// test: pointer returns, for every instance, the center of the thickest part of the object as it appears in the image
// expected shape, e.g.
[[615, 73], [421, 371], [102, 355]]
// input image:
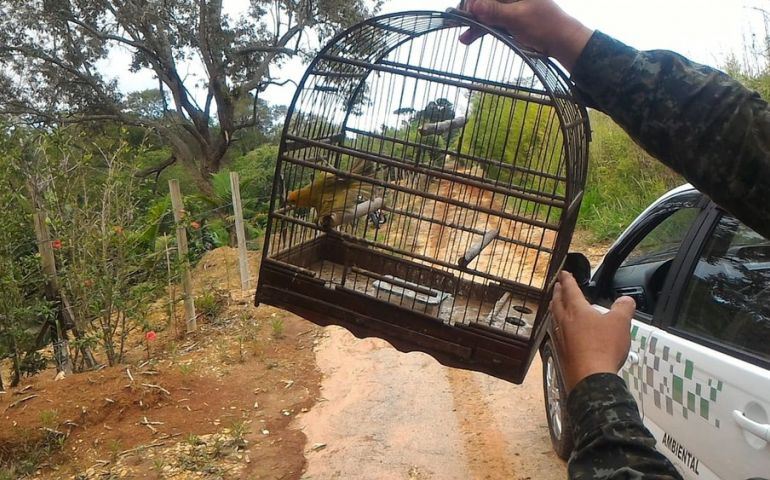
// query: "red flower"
[[56, 244], [150, 336], [195, 225]]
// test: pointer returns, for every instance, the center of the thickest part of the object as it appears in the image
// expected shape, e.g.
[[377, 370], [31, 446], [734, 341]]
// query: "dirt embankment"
[[216, 404]]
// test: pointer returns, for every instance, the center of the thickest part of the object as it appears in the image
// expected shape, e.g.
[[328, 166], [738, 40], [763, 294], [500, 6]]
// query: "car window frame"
[[601, 279], [681, 282]]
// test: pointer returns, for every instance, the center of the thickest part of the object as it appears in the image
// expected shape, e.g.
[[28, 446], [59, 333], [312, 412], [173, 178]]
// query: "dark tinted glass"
[[728, 297], [663, 241]]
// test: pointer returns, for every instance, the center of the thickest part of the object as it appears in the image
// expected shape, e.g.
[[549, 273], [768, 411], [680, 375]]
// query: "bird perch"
[[336, 219], [477, 247], [441, 127]]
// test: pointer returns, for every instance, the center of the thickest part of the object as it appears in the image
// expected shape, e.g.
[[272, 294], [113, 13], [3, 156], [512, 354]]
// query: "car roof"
[[686, 188], [675, 191]]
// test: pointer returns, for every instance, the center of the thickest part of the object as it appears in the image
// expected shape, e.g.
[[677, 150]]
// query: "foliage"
[[52, 51], [752, 68], [33, 363], [622, 180], [95, 208], [210, 304], [276, 327], [511, 132], [32, 449], [23, 310], [256, 169], [406, 138]]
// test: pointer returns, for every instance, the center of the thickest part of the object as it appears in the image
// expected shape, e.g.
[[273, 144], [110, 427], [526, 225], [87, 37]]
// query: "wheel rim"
[[554, 397]]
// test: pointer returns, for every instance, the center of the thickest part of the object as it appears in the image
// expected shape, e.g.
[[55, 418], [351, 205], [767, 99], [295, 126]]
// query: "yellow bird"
[[332, 196]]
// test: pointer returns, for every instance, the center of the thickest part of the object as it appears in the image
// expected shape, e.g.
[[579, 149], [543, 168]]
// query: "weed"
[[241, 357], [251, 329], [115, 446], [173, 351], [223, 352], [239, 429], [30, 450], [210, 304], [7, 473], [157, 464], [199, 458], [49, 419], [193, 439], [186, 369], [276, 326], [217, 449]]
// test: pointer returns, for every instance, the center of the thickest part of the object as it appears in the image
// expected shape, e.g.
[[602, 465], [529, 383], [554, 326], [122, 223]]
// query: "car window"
[[643, 272], [663, 241], [727, 298]]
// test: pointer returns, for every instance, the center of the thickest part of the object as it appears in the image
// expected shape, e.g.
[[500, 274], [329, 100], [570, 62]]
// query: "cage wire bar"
[[426, 191]]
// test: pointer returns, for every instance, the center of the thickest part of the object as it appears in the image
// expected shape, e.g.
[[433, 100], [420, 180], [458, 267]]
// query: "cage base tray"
[[315, 280]]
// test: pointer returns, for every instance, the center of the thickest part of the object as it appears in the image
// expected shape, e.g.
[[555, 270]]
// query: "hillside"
[[216, 404]]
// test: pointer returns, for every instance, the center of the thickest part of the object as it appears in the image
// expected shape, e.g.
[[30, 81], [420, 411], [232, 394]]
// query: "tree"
[[51, 49]]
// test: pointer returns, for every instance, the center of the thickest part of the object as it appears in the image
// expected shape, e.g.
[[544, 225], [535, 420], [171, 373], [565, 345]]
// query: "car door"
[[638, 266], [709, 364]]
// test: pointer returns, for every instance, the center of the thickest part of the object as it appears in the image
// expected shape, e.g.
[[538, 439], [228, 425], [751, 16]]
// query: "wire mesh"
[[419, 172]]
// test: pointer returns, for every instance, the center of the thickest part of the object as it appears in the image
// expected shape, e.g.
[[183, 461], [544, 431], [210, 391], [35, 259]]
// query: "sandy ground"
[[388, 415]]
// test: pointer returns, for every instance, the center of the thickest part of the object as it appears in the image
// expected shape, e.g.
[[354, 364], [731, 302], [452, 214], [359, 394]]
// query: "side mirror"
[[578, 265]]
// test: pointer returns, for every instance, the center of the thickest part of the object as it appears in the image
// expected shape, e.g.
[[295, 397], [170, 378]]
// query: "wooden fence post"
[[243, 259], [181, 239], [53, 290]]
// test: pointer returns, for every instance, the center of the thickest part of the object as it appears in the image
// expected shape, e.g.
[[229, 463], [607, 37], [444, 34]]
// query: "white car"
[[699, 365]]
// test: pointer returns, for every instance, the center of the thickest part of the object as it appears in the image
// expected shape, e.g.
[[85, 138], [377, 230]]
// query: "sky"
[[707, 31]]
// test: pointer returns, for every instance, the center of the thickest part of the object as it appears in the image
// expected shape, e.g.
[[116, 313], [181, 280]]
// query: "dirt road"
[[388, 415]]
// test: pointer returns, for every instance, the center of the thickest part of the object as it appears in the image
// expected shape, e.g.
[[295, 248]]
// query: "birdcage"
[[426, 191]]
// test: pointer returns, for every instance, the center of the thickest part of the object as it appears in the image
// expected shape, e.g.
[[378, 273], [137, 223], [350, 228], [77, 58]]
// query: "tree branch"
[[156, 169], [107, 36], [45, 57], [265, 48], [290, 33]]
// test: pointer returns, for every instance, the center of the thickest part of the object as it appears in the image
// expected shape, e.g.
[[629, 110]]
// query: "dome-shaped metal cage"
[[426, 191]]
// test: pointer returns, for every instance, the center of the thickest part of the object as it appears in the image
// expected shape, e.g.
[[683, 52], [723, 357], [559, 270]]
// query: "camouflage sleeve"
[[610, 440], [695, 119]]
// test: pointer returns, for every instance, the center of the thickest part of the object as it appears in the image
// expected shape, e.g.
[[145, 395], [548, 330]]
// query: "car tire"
[[555, 398]]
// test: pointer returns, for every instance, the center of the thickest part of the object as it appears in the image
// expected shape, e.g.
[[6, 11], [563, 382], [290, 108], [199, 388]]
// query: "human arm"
[[695, 119], [610, 440]]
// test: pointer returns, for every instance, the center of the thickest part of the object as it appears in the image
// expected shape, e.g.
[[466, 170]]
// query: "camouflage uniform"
[[610, 439], [715, 133], [695, 119]]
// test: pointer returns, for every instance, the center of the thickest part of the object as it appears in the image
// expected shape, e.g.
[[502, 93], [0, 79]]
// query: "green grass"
[[622, 181]]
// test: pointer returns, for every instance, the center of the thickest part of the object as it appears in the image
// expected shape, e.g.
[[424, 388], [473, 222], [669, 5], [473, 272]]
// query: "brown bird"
[[332, 196]]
